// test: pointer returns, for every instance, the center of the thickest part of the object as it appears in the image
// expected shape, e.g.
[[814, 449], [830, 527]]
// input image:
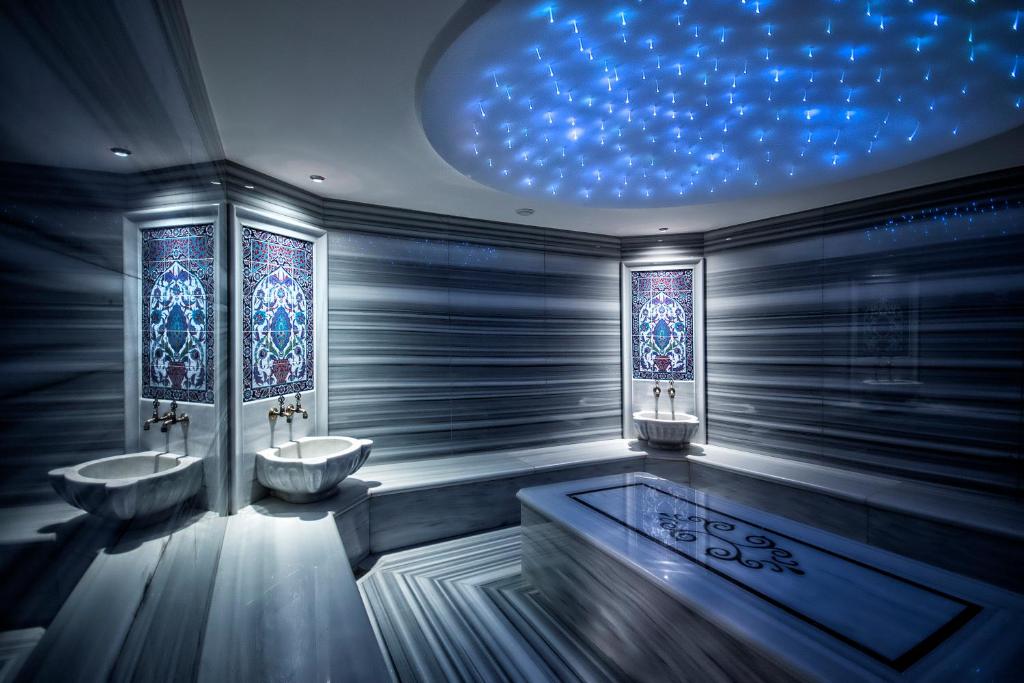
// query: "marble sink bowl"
[[135, 486], [310, 468], [663, 430]]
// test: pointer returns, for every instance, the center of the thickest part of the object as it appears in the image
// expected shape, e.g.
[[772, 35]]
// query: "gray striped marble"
[[442, 346], [62, 346], [461, 611], [893, 348]]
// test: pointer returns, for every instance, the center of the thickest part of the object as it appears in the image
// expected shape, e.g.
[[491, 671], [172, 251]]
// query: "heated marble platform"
[[671, 581]]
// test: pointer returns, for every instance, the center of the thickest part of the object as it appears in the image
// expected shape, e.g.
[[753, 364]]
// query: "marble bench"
[[918, 519], [673, 583], [413, 502]]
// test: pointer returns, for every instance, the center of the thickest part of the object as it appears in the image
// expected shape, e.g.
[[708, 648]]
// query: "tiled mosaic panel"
[[277, 314], [662, 324], [177, 313]]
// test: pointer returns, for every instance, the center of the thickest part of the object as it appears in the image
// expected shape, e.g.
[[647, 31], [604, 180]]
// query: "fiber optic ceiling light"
[[663, 103]]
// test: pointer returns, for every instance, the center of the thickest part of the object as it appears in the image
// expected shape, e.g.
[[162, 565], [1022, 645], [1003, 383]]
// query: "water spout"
[[672, 397]]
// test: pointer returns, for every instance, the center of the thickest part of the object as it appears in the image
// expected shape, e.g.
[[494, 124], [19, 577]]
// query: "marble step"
[[460, 611]]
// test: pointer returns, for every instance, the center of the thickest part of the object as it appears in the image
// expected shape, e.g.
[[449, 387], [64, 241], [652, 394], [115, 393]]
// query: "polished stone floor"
[[460, 611]]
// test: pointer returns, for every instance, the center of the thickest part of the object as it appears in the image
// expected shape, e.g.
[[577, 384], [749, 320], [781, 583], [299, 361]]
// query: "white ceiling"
[[329, 87]]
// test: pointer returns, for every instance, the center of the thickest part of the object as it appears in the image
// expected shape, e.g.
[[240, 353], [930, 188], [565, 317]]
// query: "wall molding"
[[844, 216], [229, 181]]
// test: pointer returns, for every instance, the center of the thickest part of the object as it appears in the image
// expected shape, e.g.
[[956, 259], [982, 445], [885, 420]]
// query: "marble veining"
[[746, 553], [478, 346], [892, 346], [461, 610], [816, 602]]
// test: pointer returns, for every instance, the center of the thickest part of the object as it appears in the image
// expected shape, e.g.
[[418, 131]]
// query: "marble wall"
[[61, 351], [440, 344], [894, 344]]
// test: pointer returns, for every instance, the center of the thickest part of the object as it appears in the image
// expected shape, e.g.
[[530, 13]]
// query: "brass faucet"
[[171, 417], [297, 408], [288, 412], [156, 415], [279, 411]]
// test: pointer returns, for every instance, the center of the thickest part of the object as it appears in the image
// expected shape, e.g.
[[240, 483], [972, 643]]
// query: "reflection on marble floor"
[[15, 646], [461, 611]]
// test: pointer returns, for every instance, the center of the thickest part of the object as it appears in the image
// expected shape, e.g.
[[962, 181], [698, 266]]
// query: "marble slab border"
[[901, 663]]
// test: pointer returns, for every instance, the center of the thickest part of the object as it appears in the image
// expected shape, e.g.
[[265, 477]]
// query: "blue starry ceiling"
[[652, 104]]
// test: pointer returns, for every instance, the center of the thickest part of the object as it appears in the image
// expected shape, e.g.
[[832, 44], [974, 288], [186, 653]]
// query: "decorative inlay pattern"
[[177, 302], [277, 300], [814, 589], [662, 324], [778, 559]]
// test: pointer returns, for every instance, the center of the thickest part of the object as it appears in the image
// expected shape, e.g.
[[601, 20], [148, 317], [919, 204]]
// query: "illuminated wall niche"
[[662, 324], [277, 314], [177, 303]]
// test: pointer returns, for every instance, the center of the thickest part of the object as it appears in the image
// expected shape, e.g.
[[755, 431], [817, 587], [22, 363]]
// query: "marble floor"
[[460, 611]]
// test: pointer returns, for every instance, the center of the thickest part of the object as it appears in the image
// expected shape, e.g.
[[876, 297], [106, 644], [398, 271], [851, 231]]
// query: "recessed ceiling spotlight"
[[317, 178], [215, 182], [525, 212], [121, 152], [662, 229], [250, 187]]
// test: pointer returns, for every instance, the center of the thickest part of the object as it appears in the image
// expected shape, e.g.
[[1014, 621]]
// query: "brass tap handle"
[[153, 418], [278, 411], [298, 400], [657, 391]]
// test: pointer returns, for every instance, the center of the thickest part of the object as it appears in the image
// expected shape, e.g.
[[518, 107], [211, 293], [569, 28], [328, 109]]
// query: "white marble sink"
[[132, 486], [665, 431], [310, 468]]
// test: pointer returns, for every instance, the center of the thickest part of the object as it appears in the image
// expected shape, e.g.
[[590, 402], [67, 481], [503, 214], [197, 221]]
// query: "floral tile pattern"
[[177, 313], [662, 324], [277, 314]]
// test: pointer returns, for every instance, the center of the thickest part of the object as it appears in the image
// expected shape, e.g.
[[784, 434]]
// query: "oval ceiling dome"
[[666, 103]]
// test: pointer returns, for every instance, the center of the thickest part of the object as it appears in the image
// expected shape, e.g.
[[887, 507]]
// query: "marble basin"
[[131, 486], [310, 468], [663, 430]]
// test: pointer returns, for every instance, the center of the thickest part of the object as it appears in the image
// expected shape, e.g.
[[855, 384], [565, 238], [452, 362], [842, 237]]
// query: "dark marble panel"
[[446, 346], [406, 518], [892, 345], [984, 556], [62, 347], [842, 517]]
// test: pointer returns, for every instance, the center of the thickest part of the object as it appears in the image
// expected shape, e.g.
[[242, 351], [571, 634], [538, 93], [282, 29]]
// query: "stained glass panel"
[[177, 306], [277, 314], [662, 324]]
